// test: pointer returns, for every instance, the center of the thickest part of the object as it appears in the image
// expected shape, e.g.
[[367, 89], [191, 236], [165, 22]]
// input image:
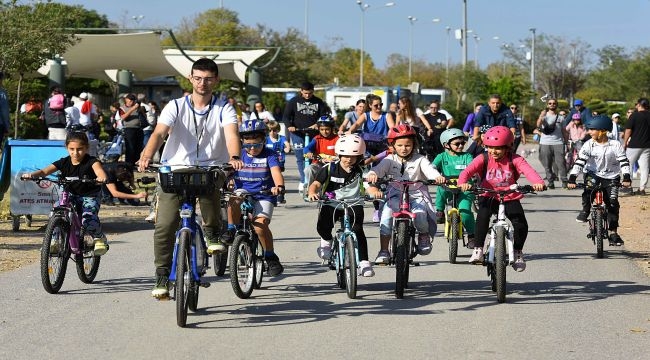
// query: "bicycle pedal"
[[204, 284]]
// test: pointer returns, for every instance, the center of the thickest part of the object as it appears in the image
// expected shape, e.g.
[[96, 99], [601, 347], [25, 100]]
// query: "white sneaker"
[[324, 252], [151, 218], [520, 264], [477, 256], [365, 269], [382, 257], [301, 188]]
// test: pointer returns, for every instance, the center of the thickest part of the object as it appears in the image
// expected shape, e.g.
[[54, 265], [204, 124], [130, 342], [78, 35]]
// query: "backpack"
[[57, 102]]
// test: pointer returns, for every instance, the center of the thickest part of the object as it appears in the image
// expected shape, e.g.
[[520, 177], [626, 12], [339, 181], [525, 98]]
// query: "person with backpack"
[[54, 115], [500, 169]]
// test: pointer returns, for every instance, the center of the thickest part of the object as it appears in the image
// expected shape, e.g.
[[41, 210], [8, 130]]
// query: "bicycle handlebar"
[[61, 180], [523, 189]]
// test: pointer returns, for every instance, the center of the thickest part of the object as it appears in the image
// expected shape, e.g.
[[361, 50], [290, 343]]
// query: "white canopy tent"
[[101, 56]]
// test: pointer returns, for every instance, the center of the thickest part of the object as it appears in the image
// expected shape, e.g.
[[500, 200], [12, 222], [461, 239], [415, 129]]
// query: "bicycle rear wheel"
[[453, 237], [220, 262], [242, 266], [87, 262], [500, 263], [337, 263], [181, 289], [54, 254], [601, 233], [350, 262], [401, 258], [259, 264]]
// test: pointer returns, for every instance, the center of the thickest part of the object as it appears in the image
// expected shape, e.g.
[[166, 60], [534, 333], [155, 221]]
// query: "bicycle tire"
[[181, 288], [500, 263], [87, 263], [350, 263], [601, 232], [336, 259], [453, 238], [259, 264], [401, 258], [220, 262], [242, 266], [54, 265]]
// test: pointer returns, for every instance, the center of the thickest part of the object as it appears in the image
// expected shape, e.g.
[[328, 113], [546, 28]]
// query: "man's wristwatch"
[[235, 157]]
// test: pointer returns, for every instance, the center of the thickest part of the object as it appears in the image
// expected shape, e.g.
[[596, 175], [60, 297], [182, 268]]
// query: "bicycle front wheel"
[[54, 254], [454, 232], [87, 262], [500, 263], [338, 264], [181, 289], [259, 264], [601, 233], [401, 258], [242, 266], [350, 263]]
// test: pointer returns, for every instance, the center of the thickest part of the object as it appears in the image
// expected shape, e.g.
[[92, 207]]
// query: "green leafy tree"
[[30, 35]]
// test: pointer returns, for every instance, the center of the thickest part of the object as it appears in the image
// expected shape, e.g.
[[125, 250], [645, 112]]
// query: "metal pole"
[[447, 64], [532, 62], [363, 16], [411, 21], [464, 34], [307, 20]]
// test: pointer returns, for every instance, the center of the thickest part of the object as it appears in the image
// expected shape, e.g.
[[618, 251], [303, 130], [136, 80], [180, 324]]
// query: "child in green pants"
[[450, 164]]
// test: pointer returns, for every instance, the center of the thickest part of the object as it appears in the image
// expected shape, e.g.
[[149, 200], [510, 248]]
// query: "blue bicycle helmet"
[[249, 127], [326, 120], [600, 122]]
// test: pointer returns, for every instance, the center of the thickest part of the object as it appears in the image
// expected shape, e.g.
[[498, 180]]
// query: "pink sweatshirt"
[[499, 175]]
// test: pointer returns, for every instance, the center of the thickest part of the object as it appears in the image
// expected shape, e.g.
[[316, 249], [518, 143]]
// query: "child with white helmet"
[[344, 178], [499, 169]]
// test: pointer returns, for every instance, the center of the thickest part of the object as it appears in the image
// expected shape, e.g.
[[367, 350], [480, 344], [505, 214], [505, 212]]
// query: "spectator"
[[578, 107], [468, 128], [352, 116], [551, 143], [72, 114], [32, 106], [520, 133], [261, 113], [615, 134], [495, 113], [54, 115], [133, 135], [636, 140]]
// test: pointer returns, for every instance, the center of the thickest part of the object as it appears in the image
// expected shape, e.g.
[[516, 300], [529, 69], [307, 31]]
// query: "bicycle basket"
[[190, 181]]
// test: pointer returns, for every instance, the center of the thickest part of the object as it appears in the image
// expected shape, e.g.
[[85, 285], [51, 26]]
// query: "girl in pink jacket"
[[498, 169]]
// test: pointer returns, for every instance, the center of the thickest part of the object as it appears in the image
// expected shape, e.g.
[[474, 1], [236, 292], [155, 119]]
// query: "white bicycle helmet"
[[350, 145]]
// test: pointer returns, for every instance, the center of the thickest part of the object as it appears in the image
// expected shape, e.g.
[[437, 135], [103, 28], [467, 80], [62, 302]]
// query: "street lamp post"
[[448, 29], [364, 7], [532, 61], [412, 20], [464, 33], [476, 40]]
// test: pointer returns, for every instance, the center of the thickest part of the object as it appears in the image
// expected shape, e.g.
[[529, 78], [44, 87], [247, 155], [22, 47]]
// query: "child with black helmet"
[[450, 164], [603, 160]]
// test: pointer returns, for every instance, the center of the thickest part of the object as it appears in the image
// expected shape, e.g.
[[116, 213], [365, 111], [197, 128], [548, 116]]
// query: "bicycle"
[[453, 220], [309, 134], [403, 246], [190, 259], [112, 151], [573, 148], [499, 250], [247, 263], [598, 221], [65, 239], [344, 258]]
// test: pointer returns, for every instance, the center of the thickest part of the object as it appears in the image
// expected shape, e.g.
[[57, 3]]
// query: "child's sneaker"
[[382, 257], [424, 244], [101, 245], [440, 217], [365, 269], [582, 217], [375, 216], [471, 242], [615, 240], [520, 264], [477, 256], [324, 250], [275, 267]]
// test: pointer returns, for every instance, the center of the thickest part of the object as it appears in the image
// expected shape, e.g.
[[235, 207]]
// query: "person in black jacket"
[[493, 114], [302, 112]]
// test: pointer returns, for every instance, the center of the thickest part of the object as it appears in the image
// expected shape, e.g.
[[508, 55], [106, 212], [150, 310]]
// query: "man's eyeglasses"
[[458, 143], [552, 103], [513, 108], [252, 146], [274, 130], [433, 107], [562, 114], [207, 79]]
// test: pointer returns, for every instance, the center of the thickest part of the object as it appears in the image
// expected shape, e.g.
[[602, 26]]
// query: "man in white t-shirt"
[[87, 110], [202, 131]]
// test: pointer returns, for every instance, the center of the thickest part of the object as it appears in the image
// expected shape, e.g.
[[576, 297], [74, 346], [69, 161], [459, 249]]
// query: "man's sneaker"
[[324, 251], [161, 289], [615, 240], [582, 217], [365, 269], [382, 257], [565, 184], [275, 267], [151, 218], [101, 245], [227, 237], [477, 256], [301, 188], [471, 242], [641, 192], [440, 217], [520, 264], [215, 246], [424, 244], [375, 216], [551, 185]]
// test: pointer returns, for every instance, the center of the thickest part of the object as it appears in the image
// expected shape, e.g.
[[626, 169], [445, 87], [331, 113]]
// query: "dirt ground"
[[23, 247]]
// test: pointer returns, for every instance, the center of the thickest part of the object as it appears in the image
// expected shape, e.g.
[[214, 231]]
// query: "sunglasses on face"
[[513, 108], [377, 105], [458, 143], [252, 146]]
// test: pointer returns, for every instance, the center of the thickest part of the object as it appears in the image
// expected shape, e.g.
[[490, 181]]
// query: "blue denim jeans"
[[298, 143]]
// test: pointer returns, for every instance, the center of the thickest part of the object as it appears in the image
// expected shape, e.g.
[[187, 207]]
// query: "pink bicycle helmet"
[[498, 136], [350, 145], [400, 131], [575, 116]]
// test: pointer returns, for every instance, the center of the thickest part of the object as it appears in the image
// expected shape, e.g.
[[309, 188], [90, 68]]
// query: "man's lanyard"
[[199, 136]]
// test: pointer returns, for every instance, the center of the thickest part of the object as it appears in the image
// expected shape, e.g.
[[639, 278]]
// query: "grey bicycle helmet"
[[451, 134]]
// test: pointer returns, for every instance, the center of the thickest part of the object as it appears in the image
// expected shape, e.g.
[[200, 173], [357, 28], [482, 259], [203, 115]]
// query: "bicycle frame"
[[188, 222], [404, 214], [452, 209], [500, 222], [341, 233]]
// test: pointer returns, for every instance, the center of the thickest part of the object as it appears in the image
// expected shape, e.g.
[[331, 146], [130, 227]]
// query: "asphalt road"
[[566, 305]]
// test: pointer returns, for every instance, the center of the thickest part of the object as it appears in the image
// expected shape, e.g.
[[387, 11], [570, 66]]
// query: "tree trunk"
[[16, 119]]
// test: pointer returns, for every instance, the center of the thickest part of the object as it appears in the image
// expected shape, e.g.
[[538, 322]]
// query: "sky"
[[333, 24]]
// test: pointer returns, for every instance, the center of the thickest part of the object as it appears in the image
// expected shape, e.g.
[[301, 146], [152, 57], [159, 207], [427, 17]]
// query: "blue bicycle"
[[190, 259]]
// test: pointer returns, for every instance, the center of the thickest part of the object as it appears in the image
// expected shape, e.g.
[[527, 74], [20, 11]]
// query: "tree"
[[30, 35]]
